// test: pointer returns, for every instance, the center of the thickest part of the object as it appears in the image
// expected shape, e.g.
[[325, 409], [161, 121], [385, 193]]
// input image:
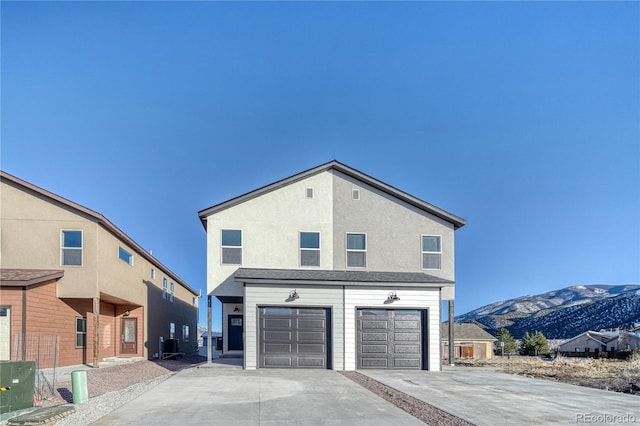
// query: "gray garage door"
[[294, 337], [390, 338]]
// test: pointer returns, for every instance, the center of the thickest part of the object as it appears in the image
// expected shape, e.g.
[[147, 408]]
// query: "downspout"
[[96, 332], [451, 322], [24, 324]]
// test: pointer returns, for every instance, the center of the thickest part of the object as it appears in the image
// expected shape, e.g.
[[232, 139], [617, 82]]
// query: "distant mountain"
[[564, 313]]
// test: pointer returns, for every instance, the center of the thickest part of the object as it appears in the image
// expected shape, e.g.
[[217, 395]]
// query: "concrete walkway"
[[224, 394], [486, 397]]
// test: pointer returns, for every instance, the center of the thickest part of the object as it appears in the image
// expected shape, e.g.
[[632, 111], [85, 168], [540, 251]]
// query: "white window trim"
[[81, 248], [318, 249], [130, 262], [347, 250], [422, 252]]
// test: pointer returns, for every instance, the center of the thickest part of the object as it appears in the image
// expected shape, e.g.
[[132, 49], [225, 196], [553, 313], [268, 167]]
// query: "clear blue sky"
[[521, 117]]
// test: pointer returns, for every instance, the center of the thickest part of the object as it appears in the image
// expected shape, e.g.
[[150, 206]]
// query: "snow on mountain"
[[562, 313]]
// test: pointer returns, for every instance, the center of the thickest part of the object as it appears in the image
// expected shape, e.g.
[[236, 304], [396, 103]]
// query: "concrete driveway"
[[221, 394], [485, 397]]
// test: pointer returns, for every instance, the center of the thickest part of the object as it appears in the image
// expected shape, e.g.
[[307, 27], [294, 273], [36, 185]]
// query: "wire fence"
[[44, 350]]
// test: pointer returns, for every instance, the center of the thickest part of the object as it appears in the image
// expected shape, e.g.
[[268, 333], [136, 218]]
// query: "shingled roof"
[[327, 277], [465, 331], [27, 277]]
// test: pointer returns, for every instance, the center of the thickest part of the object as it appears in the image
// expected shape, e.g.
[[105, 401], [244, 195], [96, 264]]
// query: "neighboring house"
[[470, 341], [331, 268], [593, 343], [67, 271]]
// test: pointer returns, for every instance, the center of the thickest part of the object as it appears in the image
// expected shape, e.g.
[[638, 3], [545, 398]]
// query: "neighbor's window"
[[232, 246], [153, 274], [309, 249], [431, 252], [71, 248], [125, 255], [185, 333], [172, 330], [355, 194], [81, 332], [356, 250], [171, 290], [164, 288]]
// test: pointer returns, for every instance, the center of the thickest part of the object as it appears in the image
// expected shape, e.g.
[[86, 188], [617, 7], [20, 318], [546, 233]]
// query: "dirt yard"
[[613, 375]]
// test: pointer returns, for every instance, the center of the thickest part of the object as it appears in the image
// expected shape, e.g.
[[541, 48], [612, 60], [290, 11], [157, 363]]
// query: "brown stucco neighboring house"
[[470, 341], [67, 271], [593, 343]]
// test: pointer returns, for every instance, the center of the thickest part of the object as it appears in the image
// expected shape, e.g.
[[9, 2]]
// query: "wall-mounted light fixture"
[[392, 297], [294, 295], [236, 309], [126, 313]]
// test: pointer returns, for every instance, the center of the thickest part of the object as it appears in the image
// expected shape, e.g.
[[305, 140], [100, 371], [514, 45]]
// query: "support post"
[[96, 332], [209, 329], [451, 321]]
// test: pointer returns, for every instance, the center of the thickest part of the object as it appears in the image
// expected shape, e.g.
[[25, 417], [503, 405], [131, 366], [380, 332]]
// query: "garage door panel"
[[308, 323], [269, 323], [406, 349], [406, 337], [276, 335], [313, 336], [374, 349], [406, 363], [375, 337], [414, 325], [293, 337], [374, 325], [375, 363]]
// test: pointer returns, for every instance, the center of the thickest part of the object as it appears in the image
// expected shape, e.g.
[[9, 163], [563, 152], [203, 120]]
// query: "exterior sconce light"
[[236, 309], [294, 295], [126, 313], [392, 297]]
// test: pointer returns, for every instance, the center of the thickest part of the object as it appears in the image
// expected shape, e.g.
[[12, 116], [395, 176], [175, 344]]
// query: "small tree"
[[534, 344], [510, 344]]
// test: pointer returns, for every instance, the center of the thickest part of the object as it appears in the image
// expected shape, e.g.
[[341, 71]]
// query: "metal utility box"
[[17, 384]]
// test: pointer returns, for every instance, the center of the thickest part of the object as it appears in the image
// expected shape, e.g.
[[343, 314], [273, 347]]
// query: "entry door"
[[5, 333], [234, 338], [129, 336]]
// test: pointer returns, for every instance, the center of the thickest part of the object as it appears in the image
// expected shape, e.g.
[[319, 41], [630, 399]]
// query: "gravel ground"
[[419, 409]]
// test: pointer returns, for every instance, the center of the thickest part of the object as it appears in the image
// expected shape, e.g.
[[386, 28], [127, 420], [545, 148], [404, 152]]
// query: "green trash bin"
[[17, 384], [79, 386]]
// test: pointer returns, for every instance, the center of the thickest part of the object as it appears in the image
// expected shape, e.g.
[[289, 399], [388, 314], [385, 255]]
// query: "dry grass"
[[613, 375]]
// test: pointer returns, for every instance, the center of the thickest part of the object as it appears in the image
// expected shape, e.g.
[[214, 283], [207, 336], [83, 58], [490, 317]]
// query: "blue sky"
[[521, 117]]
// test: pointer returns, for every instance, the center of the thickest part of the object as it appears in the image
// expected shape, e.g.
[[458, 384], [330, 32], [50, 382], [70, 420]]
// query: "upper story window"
[[171, 290], [164, 288], [153, 274], [356, 250], [232, 246], [355, 194], [125, 255], [309, 192], [431, 252], [309, 249], [71, 248]]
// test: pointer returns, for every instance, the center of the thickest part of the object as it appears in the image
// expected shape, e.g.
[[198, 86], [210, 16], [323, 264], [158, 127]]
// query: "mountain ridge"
[[563, 313]]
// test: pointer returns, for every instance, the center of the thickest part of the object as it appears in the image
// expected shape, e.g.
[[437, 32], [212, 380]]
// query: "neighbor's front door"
[[235, 333], [129, 340]]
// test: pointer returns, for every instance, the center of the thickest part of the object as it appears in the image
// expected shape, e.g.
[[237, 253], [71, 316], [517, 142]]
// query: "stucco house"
[[331, 268], [470, 341], [594, 343], [68, 272]]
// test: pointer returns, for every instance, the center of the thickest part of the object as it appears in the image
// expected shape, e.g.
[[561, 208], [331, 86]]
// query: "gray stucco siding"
[[394, 230]]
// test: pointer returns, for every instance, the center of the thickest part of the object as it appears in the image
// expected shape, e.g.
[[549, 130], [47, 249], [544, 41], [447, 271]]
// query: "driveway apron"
[[486, 397], [220, 394]]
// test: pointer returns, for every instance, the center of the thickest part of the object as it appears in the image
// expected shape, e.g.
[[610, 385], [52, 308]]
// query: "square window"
[[309, 249], [232, 246], [71, 248], [431, 252], [125, 256], [356, 250]]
